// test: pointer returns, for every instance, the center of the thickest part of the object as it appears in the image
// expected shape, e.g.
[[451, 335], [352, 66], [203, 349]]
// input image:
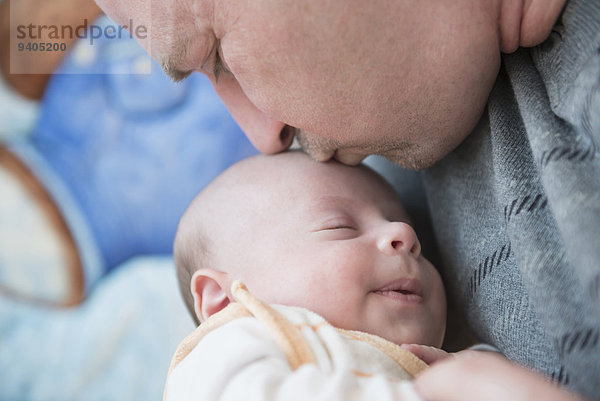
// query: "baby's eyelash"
[[340, 227]]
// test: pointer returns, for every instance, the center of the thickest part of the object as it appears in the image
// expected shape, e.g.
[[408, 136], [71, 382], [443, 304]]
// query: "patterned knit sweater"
[[516, 207]]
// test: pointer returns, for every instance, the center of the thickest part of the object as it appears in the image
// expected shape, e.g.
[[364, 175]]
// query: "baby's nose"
[[399, 237]]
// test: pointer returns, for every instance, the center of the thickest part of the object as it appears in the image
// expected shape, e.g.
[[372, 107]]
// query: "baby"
[[333, 282]]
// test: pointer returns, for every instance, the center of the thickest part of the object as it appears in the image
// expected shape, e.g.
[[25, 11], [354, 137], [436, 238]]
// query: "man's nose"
[[271, 136], [267, 134], [398, 237]]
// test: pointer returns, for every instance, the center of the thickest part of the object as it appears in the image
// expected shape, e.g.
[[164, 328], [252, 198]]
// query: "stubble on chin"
[[410, 157], [405, 154], [319, 148]]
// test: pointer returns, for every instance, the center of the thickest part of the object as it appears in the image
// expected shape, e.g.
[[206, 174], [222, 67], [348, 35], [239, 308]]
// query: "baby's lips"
[[404, 285]]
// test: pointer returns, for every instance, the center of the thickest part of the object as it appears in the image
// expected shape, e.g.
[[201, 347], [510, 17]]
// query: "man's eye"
[[219, 66]]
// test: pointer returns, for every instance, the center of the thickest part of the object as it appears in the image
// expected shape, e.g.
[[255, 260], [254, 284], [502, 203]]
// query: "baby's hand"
[[488, 377], [427, 353]]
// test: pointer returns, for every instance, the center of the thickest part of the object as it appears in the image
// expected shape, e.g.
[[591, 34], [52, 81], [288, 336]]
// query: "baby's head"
[[327, 237]]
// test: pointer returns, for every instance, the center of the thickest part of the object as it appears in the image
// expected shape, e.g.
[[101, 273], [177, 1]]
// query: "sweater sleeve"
[[240, 361]]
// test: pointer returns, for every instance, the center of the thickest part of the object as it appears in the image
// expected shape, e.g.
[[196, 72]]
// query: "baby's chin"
[[412, 337]]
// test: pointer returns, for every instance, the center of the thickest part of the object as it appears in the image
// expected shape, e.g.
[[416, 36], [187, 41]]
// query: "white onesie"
[[254, 351]]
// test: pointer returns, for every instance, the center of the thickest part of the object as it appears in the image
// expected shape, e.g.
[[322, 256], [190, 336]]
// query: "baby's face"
[[333, 239]]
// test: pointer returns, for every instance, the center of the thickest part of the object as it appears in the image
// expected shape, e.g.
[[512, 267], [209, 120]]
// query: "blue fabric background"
[[133, 149]]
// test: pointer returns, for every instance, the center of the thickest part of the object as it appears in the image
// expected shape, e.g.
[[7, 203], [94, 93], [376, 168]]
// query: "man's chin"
[[415, 159], [419, 157]]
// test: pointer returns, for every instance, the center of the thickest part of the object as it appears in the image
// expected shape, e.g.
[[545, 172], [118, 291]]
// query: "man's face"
[[333, 239], [405, 79]]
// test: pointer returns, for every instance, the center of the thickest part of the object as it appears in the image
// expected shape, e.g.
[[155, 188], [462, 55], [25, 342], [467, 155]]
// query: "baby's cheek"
[[340, 311]]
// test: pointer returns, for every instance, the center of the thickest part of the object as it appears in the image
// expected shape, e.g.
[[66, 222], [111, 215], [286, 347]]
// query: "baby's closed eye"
[[338, 223], [338, 228]]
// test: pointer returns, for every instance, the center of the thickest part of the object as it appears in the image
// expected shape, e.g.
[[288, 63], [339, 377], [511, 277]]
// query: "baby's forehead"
[[294, 180]]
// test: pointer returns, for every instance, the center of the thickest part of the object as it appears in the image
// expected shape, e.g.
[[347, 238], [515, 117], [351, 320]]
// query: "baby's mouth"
[[406, 290]]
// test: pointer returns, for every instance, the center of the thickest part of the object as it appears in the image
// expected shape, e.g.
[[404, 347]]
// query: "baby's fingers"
[[428, 354]]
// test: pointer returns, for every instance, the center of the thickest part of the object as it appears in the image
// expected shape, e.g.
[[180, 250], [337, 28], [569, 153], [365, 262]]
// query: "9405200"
[[41, 46]]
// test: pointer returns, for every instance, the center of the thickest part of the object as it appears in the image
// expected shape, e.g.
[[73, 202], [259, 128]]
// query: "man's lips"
[[407, 290], [349, 158]]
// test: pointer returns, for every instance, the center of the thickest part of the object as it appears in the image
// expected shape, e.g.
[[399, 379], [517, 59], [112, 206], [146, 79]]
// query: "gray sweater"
[[516, 207]]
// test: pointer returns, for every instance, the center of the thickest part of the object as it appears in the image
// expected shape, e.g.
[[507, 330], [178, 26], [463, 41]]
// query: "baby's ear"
[[210, 289]]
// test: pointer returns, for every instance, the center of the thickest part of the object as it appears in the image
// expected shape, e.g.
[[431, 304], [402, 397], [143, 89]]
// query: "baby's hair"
[[192, 246], [191, 252]]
